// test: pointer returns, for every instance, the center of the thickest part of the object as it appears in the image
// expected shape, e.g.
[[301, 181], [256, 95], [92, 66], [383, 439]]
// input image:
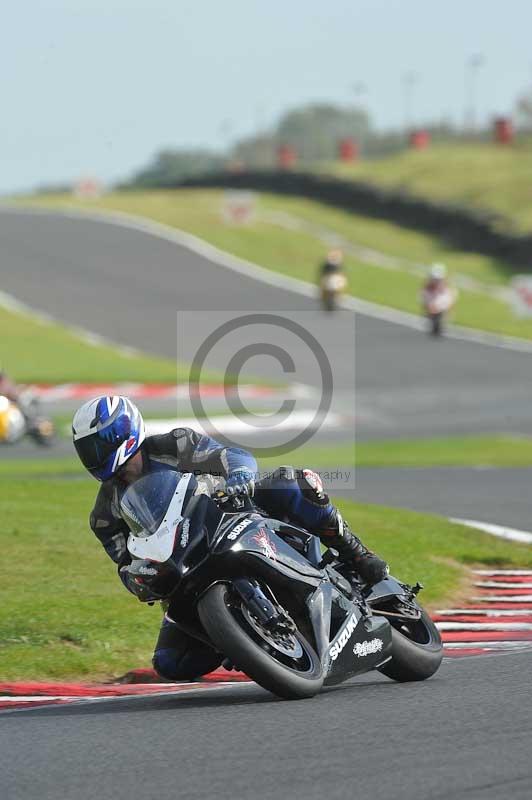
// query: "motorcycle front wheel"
[[417, 649], [281, 661]]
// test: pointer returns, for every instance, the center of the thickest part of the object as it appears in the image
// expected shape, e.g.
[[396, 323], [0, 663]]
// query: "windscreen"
[[146, 501]]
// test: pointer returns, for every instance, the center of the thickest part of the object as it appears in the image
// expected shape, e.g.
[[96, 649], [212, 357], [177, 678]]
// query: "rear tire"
[[415, 660], [233, 636], [436, 324]]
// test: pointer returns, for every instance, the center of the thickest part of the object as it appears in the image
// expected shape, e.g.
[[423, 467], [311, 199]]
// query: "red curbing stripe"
[[139, 391], [149, 683], [17, 702], [150, 676], [80, 689], [224, 675], [473, 651]]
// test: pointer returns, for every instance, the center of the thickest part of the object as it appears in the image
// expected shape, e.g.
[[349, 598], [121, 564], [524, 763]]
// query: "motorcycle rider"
[[110, 440], [333, 264], [26, 403], [331, 279], [8, 388], [437, 297]]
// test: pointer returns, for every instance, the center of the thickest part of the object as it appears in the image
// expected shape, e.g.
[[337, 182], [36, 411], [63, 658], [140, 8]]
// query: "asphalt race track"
[[129, 286], [464, 734]]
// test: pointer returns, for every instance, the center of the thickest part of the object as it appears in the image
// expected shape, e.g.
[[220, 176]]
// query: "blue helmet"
[[107, 432]]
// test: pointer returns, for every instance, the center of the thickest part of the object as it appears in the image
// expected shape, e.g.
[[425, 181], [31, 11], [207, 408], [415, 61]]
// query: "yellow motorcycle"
[[15, 423]]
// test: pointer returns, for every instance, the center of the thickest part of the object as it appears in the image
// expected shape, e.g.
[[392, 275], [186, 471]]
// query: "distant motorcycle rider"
[[332, 280], [110, 440], [26, 402], [437, 298], [333, 264], [8, 388]]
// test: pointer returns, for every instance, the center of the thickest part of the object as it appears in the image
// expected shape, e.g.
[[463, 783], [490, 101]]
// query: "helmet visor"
[[94, 451]]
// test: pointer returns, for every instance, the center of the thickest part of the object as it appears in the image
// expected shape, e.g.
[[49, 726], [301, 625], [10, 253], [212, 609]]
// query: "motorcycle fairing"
[[261, 540], [360, 642], [385, 589], [160, 545]]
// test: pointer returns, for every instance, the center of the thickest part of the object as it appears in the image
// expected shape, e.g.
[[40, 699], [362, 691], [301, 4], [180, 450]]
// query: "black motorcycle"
[[263, 594]]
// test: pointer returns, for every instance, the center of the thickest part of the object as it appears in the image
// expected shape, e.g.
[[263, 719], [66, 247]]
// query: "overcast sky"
[[94, 87]]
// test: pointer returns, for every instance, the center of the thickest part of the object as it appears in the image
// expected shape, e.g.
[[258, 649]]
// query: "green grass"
[[65, 613], [459, 451], [482, 175], [42, 468], [33, 351], [495, 450], [297, 253], [501, 450], [390, 239]]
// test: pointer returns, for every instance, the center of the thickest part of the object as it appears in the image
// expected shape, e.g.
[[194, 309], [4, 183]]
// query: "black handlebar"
[[233, 504]]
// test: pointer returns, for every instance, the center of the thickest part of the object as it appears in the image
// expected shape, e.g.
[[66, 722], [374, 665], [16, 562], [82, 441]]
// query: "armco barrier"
[[459, 225]]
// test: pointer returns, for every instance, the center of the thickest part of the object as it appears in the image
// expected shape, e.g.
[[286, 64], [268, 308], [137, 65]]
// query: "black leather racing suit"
[[285, 494]]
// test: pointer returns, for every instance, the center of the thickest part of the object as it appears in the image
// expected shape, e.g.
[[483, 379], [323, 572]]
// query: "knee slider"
[[165, 664], [312, 488]]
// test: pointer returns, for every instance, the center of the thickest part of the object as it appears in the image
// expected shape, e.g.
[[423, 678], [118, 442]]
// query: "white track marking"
[[502, 571], [504, 598], [264, 275], [78, 391], [503, 585], [247, 424], [484, 626], [501, 531]]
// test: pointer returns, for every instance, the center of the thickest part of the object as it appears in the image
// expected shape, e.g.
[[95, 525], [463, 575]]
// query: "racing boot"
[[334, 531], [367, 565]]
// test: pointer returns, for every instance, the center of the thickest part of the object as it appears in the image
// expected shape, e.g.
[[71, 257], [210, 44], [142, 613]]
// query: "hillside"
[[496, 178], [385, 264]]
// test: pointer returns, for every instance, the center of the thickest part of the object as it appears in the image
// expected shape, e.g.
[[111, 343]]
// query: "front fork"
[[268, 613]]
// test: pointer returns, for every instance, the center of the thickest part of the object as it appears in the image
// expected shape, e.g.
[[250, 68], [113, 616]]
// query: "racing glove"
[[146, 580], [240, 482]]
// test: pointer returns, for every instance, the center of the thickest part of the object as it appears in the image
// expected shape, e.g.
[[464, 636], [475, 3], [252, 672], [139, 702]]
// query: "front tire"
[[229, 627], [417, 650]]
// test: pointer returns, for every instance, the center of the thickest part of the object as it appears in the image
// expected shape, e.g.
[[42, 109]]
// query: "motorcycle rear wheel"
[[291, 670], [417, 650]]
